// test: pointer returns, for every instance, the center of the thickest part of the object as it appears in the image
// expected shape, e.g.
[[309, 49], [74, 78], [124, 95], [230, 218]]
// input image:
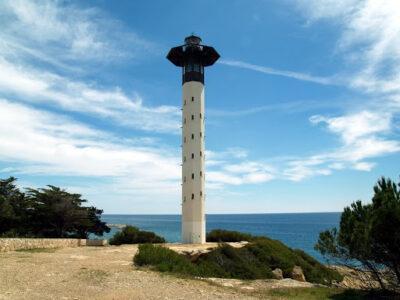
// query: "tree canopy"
[[369, 237], [47, 212]]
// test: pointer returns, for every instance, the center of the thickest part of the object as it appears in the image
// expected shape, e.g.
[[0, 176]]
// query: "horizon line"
[[269, 213]]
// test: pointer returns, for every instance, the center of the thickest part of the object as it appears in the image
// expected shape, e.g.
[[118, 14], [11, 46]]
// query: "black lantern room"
[[193, 57]]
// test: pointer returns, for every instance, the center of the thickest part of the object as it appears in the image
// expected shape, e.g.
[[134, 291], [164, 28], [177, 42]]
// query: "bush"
[[219, 235], [164, 260], [132, 235], [253, 261]]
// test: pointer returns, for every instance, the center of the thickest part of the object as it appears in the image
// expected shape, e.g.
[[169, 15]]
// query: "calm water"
[[296, 230]]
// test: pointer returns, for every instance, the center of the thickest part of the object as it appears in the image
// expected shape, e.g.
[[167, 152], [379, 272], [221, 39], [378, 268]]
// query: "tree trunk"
[[397, 272], [376, 274]]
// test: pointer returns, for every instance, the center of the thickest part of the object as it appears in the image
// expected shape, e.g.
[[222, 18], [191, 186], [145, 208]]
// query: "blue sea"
[[297, 230]]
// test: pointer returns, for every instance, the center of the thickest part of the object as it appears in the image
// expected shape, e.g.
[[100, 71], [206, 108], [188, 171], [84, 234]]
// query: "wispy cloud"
[[38, 86], [363, 136], [43, 43], [44, 143], [70, 33], [370, 39], [284, 73]]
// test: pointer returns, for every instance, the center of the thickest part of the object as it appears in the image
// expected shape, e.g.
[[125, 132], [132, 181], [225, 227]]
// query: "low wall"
[[96, 243], [12, 244]]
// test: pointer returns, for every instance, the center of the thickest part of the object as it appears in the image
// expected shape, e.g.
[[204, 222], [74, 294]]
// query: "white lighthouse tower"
[[192, 57]]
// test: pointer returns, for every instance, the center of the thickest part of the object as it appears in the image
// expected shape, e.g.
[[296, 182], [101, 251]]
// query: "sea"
[[297, 230]]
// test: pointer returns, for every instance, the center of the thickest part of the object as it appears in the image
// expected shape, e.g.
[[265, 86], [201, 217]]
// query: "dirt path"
[[95, 273]]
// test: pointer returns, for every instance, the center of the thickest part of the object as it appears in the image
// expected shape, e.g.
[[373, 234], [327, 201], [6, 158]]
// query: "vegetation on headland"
[[220, 235], [133, 235], [48, 212], [368, 238], [255, 260]]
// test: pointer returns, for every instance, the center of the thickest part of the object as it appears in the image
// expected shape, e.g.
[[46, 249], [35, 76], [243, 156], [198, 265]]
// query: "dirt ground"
[[95, 273], [108, 273]]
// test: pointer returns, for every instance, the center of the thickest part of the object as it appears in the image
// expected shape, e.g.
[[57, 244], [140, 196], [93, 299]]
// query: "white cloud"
[[34, 86], [43, 143], [370, 41], [68, 32], [354, 126], [246, 172], [52, 144], [363, 166], [363, 136], [370, 38], [271, 71], [69, 37]]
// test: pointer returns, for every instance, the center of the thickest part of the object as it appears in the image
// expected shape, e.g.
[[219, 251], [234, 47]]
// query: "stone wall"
[[12, 244]]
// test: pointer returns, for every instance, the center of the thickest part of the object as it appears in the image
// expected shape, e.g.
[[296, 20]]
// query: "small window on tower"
[[184, 158], [184, 198], [200, 115], [192, 99], [201, 193], [201, 174], [192, 117], [184, 139], [192, 196], [184, 121], [184, 179], [201, 134], [201, 153], [192, 136], [192, 155], [184, 102], [192, 175]]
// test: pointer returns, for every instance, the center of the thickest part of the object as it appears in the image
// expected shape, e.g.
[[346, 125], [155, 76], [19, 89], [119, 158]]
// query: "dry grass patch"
[[93, 275]]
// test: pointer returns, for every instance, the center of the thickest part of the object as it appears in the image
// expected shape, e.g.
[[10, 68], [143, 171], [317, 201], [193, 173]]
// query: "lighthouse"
[[192, 57]]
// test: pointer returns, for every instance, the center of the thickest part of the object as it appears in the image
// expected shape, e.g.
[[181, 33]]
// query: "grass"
[[253, 261], [92, 275], [38, 250]]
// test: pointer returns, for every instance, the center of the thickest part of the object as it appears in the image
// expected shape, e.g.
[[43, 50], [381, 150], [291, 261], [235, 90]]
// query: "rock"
[[278, 273], [297, 274]]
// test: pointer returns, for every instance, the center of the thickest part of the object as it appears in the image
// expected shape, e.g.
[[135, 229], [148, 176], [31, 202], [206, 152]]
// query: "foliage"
[[220, 235], [132, 235], [253, 261], [14, 208], [49, 212], [369, 235], [164, 260]]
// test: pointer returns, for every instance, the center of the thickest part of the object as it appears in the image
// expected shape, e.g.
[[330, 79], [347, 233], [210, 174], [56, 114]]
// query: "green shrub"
[[253, 261], [228, 262], [220, 235], [132, 235], [164, 260]]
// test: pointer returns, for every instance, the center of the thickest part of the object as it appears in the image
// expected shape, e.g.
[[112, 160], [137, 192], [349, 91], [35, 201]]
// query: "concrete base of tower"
[[193, 232]]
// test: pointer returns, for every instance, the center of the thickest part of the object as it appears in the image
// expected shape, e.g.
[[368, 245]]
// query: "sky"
[[302, 108]]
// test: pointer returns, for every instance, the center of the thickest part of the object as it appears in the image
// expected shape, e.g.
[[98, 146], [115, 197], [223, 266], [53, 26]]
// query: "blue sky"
[[302, 108]]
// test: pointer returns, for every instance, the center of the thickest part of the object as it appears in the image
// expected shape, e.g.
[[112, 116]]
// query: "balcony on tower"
[[193, 57]]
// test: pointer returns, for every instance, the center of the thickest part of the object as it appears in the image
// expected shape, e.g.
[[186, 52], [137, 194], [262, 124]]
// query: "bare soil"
[[95, 273], [109, 273]]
